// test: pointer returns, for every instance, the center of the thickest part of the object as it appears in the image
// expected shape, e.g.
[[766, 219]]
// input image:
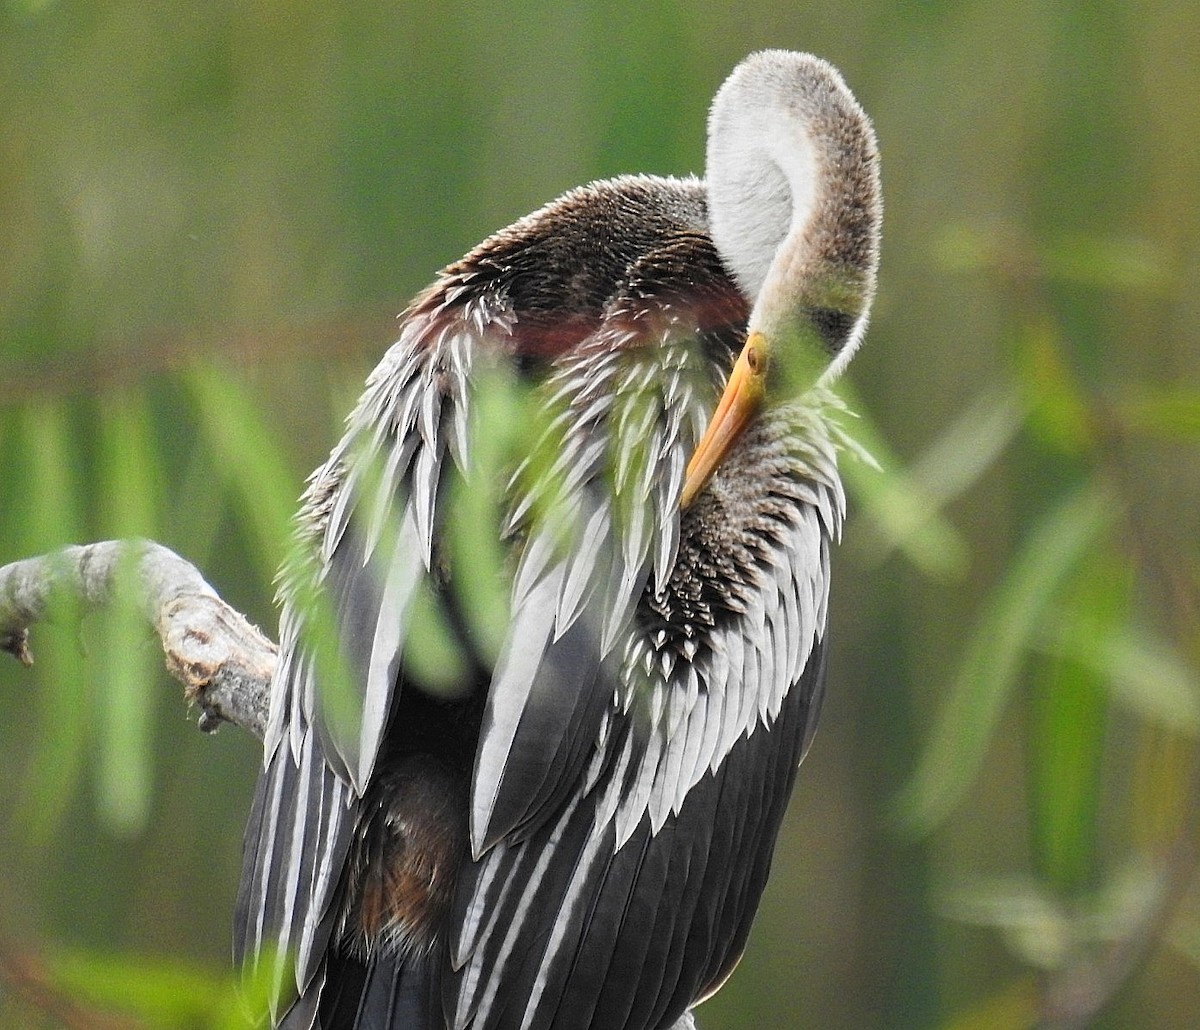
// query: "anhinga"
[[578, 834]]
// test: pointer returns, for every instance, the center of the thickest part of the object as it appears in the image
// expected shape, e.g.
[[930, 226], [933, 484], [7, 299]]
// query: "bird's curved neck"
[[793, 197], [762, 176]]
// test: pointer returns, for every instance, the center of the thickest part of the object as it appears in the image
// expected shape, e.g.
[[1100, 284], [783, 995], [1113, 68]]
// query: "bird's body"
[[575, 830]]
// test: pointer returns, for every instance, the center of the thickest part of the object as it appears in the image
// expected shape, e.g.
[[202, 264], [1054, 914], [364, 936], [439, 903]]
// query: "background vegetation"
[[211, 213]]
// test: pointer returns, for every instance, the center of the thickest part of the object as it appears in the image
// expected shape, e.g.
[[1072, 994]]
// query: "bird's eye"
[[756, 355]]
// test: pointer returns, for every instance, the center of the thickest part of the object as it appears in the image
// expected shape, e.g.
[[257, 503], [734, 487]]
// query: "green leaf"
[[1134, 265], [505, 424], [989, 668], [245, 1001], [193, 508], [162, 992], [1164, 412], [1035, 925], [125, 690], [1060, 415], [1068, 707], [431, 652], [1067, 713], [248, 458], [1047, 932], [1144, 672], [53, 513], [971, 445], [904, 506]]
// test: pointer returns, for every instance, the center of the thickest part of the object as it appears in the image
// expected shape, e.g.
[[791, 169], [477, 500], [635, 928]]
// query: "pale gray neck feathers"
[[761, 173], [792, 175]]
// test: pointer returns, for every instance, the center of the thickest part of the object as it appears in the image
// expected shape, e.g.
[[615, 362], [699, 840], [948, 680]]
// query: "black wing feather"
[[543, 713], [656, 923]]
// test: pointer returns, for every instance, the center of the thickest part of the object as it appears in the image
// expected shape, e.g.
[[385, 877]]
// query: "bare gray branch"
[[224, 663]]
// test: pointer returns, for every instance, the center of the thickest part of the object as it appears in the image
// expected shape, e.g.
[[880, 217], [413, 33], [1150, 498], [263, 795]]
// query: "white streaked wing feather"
[[391, 626], [580, 578], [373, 503]]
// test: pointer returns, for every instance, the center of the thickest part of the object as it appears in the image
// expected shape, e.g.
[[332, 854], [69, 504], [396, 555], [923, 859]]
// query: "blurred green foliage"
[[214, 210]]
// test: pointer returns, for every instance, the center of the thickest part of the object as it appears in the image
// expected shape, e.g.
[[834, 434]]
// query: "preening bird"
[[576, 832]]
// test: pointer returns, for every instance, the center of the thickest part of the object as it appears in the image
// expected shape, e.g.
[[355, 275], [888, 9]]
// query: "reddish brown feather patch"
[[405, 863]]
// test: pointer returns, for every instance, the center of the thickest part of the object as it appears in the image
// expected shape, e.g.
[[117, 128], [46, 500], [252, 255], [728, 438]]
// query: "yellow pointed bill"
[[738, 405]]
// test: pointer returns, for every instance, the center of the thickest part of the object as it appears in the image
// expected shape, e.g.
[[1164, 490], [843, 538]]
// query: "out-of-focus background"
[[212, 212]]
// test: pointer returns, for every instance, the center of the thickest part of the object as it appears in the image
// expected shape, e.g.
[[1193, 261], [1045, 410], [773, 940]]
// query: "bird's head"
[[794, 206]]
